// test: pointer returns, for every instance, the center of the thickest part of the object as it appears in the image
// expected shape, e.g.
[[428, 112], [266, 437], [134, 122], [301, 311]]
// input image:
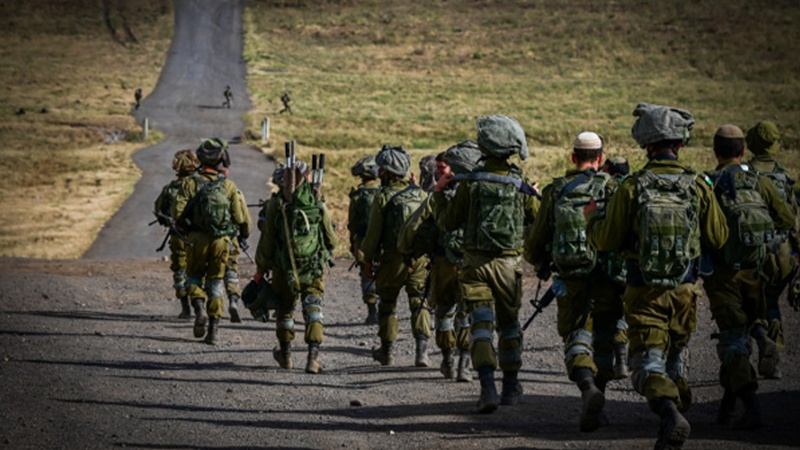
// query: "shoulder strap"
[[193, 201], [569, 187], [522, 186]]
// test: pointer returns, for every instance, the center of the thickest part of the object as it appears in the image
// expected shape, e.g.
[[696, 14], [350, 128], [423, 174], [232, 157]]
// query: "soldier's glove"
[[243, 244]]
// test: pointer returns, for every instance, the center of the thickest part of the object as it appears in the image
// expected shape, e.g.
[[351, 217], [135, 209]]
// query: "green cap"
[[763, 138]]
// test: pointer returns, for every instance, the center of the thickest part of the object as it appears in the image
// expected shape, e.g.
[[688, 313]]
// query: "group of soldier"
[[625, 253]]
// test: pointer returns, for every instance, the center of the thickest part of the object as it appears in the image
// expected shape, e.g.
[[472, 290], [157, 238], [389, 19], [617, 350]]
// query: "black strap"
[[569, 187], [522, 186]]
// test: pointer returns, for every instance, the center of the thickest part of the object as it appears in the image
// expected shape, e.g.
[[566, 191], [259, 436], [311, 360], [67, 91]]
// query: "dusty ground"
[[94, 357]]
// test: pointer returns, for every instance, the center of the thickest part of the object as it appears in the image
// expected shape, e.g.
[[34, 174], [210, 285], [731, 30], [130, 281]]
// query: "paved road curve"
[[186, 105]]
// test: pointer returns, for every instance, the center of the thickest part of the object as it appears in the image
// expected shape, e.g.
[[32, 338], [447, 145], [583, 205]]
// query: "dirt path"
[[186, 105]]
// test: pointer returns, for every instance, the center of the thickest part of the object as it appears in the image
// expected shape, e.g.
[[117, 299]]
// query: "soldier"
[[228, 96], [589, 299], [285, 99], [361, 199], [296, 243], [427, 172], [137, 95], [492, 205], [735, 288], [209, 209], [420, 236], [184, 163], [391, 208], [763, 141], [661, 206]]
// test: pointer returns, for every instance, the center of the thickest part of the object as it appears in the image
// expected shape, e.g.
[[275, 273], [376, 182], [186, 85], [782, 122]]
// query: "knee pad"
[[651, 361], [676, 363], [216, 289], [733, 343], [622, 325], [194, 281], [482, 315], [510, 346], [462, 322], [578, 343], [367, 286], [231, 277], [311, 308], [445, 324], [286, 324]]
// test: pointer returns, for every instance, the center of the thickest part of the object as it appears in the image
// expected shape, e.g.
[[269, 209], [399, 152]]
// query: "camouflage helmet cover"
[[185, 162], [394, 160], [763, 138], [657, 123], [213, 151], [501, 136], [365, 167], [463, 157]]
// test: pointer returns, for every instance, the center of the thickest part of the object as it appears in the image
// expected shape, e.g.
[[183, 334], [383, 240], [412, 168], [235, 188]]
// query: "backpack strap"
[[577, 181], [193, 201], [402, 191], [522, 186]]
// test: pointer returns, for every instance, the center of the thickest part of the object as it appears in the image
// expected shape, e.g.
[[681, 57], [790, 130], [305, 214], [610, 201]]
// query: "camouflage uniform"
[[232, 287], [491, 281], [273, 255], [362, 197]]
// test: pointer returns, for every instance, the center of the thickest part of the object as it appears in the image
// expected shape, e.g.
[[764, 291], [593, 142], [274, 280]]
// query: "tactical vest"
[[749, 220], [396, 212], [496, 215], [669, 226], [212, 212], [363, 198], [302, 253], [570, 249]]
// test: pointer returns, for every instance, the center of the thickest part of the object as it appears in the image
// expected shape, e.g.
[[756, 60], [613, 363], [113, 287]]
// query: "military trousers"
[[393, 275], [660, 324], [205, 267], [452, 322], [311, 302], [491, 287], [736, 298], [177, 264], [588, 322]]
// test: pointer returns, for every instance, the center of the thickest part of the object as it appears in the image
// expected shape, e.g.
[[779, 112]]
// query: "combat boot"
[[201, 318], [464, 367], [488, 402], [186, 310], [372, 314], [312, 365], [593, 400], [283, 354], [621, 362], [383, 353], [234, 309], [767, 351], [512, 388], [674, 429], [213, 326], [752, 418], [422, 359], [727, 408], [447, 367]]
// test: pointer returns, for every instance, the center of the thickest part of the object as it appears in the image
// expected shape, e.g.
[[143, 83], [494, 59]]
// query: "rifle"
[[540, 304], [317, 171], [355, 262], [173, 229], [260, 204], [244, 246]]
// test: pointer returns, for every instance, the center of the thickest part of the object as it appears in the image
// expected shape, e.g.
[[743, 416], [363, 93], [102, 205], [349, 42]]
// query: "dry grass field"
[[364, 73]]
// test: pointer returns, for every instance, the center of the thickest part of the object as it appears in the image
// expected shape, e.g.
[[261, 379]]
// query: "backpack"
[[165, 200], [212, 212], [496, 219], [669, 230], [570, 249], [363, 198], [781, 181], [397, 211], [749, 221], [302, 251]]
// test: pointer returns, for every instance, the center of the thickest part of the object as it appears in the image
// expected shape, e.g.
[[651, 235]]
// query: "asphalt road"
[[205, 55]]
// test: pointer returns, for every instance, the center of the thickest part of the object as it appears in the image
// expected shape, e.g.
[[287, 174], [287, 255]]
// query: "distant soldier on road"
[[285, 99], [228, 97], [138, 96]]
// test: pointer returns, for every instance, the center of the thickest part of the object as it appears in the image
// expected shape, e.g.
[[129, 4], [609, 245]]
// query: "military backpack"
[[212, 212], [397, 211], [570, 249], [669, 230], [749, 221], [302, 249], [496, 221], [363, 198]]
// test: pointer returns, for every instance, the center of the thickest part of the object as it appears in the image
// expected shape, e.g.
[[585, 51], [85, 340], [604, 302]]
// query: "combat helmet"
[[657, 123], [394, 160], [185, 162], [501, 136], [763, 138], [213, 151], [463, 157], [365, 167]]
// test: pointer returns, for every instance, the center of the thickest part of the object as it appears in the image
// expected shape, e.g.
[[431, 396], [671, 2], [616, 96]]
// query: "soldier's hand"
[[258, 277], [412, 178], [443, 181], [368, 270], [590, 209]]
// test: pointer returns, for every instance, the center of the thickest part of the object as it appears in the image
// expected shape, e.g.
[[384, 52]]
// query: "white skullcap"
[[588, 141]]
